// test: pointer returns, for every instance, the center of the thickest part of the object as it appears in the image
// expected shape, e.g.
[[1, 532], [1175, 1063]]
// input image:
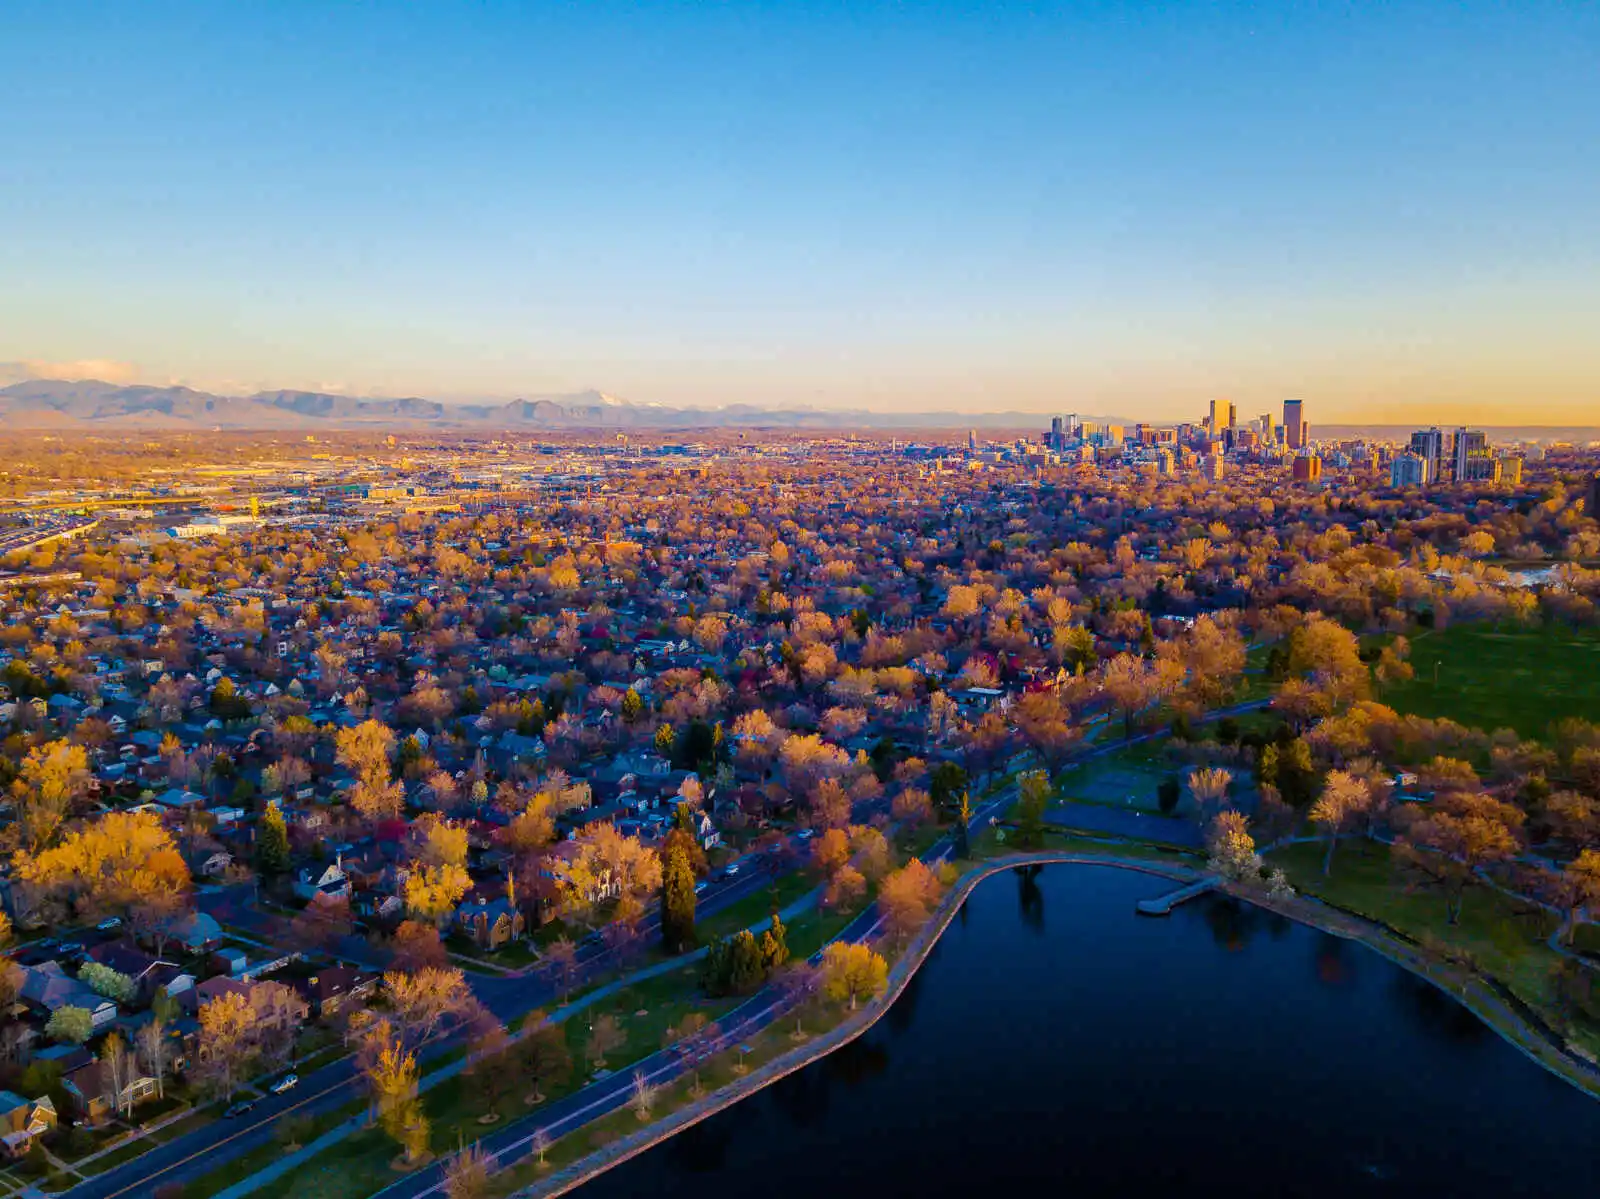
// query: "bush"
[[1228, 731], [1168, 793]]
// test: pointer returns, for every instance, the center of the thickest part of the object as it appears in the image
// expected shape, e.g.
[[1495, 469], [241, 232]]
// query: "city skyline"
[[1106, 209]]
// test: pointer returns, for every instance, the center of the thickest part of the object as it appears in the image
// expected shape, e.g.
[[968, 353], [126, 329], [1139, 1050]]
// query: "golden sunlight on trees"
[[852, 971]]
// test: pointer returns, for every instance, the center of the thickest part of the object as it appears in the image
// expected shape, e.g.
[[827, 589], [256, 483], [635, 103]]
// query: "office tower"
[[1296, 430], [1470, 458], [1408, 470], [1511, 471], [1164, 462], [1428, 444], [1222, 417], [1307, 468], [972, 440], [1212, 465], [1265, 423], [1058, 436]]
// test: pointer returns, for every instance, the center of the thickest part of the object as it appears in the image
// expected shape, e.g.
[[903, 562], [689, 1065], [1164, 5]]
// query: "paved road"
[[337, 1084], [515, 1142]]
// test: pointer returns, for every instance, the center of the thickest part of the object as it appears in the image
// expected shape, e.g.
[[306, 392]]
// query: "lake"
[[1055, 1039]]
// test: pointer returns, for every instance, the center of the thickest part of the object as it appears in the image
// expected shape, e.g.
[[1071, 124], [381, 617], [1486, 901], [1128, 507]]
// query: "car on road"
[[239, 1109], [287, 1083], [111, 924], [731, 870], [806, 834], [699, 887]]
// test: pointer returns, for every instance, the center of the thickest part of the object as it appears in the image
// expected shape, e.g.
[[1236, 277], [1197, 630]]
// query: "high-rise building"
[[1058, 436], [1164, 462], [1408, 470], [1296, 431], [1213, 465], [972, 440], [1222, 417], [1428, 444], [1307, 468], [1265, 425], [1471, 460], [1511, 471]]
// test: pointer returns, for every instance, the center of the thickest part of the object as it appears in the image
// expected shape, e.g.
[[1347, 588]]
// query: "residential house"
[[21, 1120], [327, 879], [335, 989], [489, 923], [47, 988]]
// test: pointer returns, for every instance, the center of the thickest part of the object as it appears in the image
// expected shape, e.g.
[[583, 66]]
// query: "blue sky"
[[1094, 207]]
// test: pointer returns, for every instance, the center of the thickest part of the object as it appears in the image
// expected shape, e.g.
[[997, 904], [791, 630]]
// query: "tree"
[[643, 1097], [1459, 834], [542, 1056], [154, 1050], [677, 901], [391, 1073], [492, 1065], [1168, 792], [605, 1038], [272, 841], [906, 898], [1133, 684], [70, 1025], [632, 706], [466, 1174], [110, 864], [429, 1001], [1032, 799], [118, 1067], [734, 965], [845, 889], [911, 808], [798, 981], [851, 971], [774, 946], [103, 980], [946, 785], [1210, 786], [322, 924], [1582, 879], [432, 892], [51, 779], [366, 749], [562, 957], [1344, 800], [227, 1039], [417, 946], [1232, 848]]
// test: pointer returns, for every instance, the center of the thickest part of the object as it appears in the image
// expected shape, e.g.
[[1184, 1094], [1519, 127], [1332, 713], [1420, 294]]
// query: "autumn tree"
[[111, 864], [542, 1056], [432, 892], [51, 779], [1231, 848], [1459, 834], [852, 971], [605, 1038], [227, 1039], [1345, 799], [366, 750], [906, 898], [1134, 684], [391, 1073]]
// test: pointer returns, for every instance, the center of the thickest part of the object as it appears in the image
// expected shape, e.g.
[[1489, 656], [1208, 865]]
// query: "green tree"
[[947, 782], [70, 1025], [272, 842], [1034, 787], [677, 900]]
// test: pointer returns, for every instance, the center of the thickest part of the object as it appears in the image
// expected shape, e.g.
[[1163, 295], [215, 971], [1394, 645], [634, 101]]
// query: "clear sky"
[[1390, 210]]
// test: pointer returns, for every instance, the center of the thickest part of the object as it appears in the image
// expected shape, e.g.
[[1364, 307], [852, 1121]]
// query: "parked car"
[[111, 924], [239, 1109], [287, 1083], [732, 869], [699, 887], [806, 834]]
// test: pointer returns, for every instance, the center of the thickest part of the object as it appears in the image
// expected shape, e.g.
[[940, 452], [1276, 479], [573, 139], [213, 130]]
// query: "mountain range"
[[41, 404]]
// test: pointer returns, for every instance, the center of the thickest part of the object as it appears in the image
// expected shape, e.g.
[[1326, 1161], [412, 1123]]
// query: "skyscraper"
[[1428, 444], [1470, 458], [1222, 417], [1408, 470], [1296, 431], [972, 440]]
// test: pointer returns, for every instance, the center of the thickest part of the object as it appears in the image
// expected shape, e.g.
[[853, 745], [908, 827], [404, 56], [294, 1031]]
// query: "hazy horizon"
[[1387, 213]]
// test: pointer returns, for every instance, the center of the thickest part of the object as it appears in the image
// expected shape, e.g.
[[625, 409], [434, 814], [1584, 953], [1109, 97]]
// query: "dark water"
[[1057, 1040]]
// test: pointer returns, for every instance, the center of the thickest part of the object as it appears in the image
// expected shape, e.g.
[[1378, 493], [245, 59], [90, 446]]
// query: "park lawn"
[[1493, 676], [1132, 772], [754, 909], [1504, 943]]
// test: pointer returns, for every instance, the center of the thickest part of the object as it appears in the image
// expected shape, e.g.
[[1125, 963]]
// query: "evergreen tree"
[[272, 842], [1035, 794], [745, 968], [677, 901]]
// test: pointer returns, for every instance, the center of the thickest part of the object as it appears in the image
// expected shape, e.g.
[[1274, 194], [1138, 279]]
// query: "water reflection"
[[1429, 1010], [1335, 961], [855, 1063], [1030, 899]]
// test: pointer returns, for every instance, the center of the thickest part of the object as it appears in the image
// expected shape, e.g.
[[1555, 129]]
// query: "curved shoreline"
[[1309, 912]]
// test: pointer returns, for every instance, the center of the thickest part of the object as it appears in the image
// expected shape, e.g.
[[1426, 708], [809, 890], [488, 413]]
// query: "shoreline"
[[1304, 910]]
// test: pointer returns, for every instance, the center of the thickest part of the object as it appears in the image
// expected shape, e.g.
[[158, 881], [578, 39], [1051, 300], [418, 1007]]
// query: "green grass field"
[[1489, 677]]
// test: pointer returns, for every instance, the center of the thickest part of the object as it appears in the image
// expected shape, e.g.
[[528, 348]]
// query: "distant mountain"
[[54, 404]]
